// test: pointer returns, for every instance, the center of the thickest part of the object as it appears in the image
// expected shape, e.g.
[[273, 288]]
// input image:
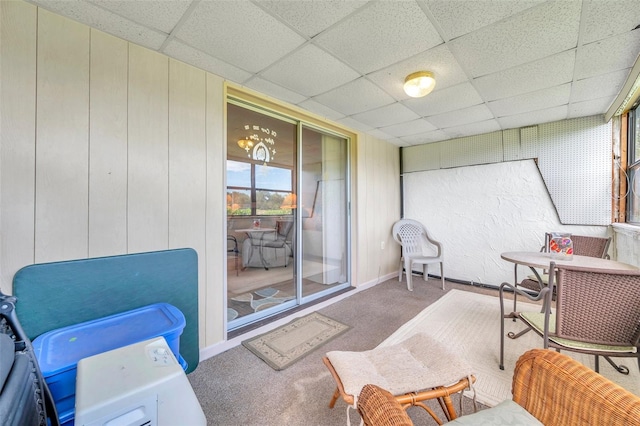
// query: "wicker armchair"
[[550, 386], [414, 238], [597, 312], [378, 407], [582, 246]]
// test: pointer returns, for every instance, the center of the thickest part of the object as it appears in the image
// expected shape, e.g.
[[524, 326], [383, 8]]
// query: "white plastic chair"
[[416, 242]]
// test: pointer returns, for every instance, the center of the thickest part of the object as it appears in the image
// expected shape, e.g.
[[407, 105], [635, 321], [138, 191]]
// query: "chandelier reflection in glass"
[[260, 145], [245, 144]]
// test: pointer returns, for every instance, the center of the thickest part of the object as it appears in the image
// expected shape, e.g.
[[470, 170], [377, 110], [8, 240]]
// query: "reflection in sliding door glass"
[[261, 161], [324, 211]]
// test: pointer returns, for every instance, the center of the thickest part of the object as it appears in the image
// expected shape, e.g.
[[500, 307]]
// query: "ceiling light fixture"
[[419, 84]]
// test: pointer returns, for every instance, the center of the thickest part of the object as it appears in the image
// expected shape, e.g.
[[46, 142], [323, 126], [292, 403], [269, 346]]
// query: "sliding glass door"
[[324, 225], [287, 213]]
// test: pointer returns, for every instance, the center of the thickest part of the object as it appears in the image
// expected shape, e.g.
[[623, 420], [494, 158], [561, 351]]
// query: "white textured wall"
[[478, 212], [574, 157]]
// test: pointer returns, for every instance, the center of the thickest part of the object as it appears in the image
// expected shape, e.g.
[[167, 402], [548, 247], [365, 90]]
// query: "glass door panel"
[[287, 213], [261, 177], [324, 218]]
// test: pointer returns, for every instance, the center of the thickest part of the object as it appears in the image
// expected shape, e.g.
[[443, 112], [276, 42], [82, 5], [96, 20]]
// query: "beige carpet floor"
[[238, 388]]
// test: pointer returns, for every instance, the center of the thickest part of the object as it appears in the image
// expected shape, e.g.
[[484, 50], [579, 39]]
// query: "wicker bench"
[[415, 370]]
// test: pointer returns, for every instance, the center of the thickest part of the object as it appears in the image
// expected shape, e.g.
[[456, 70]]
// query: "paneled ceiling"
[[499, 64]]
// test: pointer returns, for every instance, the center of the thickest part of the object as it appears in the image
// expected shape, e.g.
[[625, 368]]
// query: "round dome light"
[[419, 84]]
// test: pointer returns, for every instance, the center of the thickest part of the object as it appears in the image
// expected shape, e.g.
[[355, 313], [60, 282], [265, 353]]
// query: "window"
[[238, 188], [273, 184], [270, 188], [261, 155], [633, 170]]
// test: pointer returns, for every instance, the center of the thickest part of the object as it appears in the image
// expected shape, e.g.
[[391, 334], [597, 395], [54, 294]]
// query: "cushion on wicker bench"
[[415, 364]]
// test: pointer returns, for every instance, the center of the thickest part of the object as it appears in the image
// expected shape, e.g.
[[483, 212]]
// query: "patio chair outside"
[[282, 239], [413, 237], [232, 247], [597, 312]]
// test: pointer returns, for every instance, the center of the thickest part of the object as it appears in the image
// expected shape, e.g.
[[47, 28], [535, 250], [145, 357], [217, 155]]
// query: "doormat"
[[285, 345]]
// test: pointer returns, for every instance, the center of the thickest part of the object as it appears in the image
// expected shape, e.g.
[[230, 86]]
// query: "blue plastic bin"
[[58, 351]]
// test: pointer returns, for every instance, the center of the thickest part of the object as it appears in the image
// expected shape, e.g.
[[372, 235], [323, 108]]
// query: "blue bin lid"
[[61, 349]]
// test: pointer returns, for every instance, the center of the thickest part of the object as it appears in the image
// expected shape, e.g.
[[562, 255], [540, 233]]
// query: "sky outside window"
[[238, 174], [275, 178]]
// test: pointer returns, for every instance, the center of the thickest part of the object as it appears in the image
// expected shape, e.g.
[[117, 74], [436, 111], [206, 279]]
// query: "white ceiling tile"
[[387, 115], [599, 86], [311, 17], [354, 124], [380, 34], [461, 96], [605, 56], [310, 64], [457, 18], [322, 110], [399, 143], [548, 72], [461, 116], [238, 32], [487, 126], [533, 101], [163, 16], [526, 37], [438, 60], [106, 21], [410, 128], [536, 117], [604, 19], [273, 90], [358, 96], [195, 57], [428, 137], [591, 107], [376, 133], [352, 55]]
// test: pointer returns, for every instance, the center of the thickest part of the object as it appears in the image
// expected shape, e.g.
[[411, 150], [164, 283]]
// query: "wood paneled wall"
[[378, 208], [105, 151], [109, 148]]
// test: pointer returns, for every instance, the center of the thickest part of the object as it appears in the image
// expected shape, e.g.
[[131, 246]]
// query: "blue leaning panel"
[[59, 294]]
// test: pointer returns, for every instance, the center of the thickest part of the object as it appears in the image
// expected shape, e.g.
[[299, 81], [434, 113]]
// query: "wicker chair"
[[582, 246], [378, 407], [416, 370], [550, 386], [414, 238], [597, 312]]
